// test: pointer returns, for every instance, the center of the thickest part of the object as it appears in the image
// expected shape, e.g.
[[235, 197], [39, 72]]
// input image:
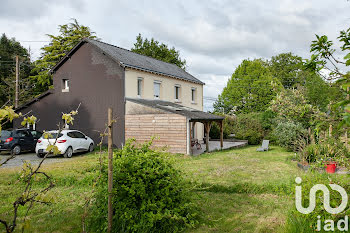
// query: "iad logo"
[[326, 198], [342, 224]]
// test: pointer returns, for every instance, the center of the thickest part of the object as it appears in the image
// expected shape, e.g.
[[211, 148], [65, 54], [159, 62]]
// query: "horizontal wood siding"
[[171, 130]]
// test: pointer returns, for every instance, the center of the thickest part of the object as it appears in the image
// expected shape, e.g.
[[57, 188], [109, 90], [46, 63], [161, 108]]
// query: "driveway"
[[30, 157]]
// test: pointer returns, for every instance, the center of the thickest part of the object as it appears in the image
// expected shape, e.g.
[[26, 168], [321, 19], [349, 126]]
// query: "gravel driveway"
[[31, 157]]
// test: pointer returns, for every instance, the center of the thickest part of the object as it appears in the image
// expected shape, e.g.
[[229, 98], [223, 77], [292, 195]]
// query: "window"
[[79, 134], [65, 85], [193, 95], [36, 134], [156, 87], [177, 92], [139, 87]]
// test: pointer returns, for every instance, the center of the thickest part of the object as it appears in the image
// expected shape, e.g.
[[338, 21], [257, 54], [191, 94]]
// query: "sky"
[[213, 36]]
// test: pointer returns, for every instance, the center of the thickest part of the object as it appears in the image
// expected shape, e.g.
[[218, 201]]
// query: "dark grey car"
[[18, 140]]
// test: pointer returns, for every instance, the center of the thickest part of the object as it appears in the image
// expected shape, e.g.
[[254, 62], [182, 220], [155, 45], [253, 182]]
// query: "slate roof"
[[192, 114], [133, 60]]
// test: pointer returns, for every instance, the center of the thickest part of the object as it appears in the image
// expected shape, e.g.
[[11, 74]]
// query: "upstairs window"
[[193, 95], [156, 87], [139, 87], [65, 85], [177, 92]]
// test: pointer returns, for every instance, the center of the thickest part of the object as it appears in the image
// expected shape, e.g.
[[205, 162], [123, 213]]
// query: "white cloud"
[[214, 36]]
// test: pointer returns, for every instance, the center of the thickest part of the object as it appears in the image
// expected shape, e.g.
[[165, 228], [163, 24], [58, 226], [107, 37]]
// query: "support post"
[[222, 134], [16, 83], [110, 168], [207, 129], [191, 152]]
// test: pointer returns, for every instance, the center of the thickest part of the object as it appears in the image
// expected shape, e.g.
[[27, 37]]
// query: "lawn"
[[237, 190]]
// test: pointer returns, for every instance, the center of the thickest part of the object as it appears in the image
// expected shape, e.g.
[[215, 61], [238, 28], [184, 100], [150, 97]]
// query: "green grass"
[[237, 190]]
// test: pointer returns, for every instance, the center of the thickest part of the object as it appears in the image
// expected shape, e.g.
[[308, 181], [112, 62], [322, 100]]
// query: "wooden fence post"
[[110, 168]]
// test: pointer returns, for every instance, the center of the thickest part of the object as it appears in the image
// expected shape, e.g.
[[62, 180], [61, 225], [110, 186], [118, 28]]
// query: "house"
[[149, 97]]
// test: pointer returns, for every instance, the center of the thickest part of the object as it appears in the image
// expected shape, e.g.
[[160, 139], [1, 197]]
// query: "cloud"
[[214, 36]]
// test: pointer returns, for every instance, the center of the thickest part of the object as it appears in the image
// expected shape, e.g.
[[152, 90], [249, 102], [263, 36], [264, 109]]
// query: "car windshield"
[[52, 135], [4, 134]]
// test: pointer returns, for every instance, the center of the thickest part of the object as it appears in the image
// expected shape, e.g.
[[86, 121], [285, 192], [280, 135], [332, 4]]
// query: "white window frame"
[[65, 85], [139, 87], [177, 91], [193, 95], [154, 89]]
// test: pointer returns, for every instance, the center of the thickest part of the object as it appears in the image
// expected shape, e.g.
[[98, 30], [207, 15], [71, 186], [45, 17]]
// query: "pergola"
[[207, 121]]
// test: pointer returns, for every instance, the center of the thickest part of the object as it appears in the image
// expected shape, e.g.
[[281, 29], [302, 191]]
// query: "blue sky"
[[213, 36]]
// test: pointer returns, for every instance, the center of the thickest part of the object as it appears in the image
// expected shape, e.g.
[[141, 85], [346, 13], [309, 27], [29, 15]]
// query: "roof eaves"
[[35, 99]]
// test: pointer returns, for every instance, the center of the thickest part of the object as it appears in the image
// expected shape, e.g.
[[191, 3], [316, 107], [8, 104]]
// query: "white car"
[[68, 142]]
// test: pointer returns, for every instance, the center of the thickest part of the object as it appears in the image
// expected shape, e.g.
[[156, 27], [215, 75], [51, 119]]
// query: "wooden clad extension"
[[171, 130]]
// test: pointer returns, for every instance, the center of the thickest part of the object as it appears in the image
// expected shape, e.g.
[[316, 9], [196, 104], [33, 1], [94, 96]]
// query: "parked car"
[[67, 141], [19, 140]]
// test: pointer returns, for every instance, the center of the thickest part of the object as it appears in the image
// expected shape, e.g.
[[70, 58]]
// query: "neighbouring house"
[[149, 97]]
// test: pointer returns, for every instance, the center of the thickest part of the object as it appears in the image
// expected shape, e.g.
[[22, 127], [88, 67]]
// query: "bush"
[[249, 127], [228, 127], [288, 134], [149, 194], [325, 150]]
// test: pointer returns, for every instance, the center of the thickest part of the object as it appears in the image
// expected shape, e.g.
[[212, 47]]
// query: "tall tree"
[[287, 68], [69, 35], [160, 51], [250, 89], [9, 49], [324, 57]]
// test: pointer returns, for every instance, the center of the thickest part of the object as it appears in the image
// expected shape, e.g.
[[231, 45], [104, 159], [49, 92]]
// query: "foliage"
[[149, 194], [69, 35], [250, 89], [228, 127], [9, 49], [329, 149], [323, 58], [287, 68], [160, 51], [291, 104], [249, 127], [288, 134]]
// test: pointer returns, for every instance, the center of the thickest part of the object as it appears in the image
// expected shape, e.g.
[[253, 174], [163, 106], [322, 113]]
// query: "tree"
[[69, 36], [323, 58], [9, 48], [250, 89], [290, 70], [160, 51], [287, 68]]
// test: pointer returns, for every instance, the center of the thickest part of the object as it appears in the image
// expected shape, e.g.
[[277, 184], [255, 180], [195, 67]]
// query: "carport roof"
[[192, 114]]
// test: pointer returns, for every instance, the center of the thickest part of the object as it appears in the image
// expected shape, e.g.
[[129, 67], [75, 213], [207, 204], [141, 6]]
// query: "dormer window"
[[65, 85]]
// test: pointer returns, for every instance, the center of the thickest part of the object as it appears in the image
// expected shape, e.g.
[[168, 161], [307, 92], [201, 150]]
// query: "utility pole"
[[110, 168], [17, 77]]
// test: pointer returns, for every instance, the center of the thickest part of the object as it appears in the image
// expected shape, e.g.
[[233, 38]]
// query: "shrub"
[[288, 134], [228, 127], [325, 150], [249, 127], [149, 194]]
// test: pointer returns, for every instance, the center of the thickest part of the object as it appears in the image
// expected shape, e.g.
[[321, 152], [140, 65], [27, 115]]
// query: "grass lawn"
[[238, 190]]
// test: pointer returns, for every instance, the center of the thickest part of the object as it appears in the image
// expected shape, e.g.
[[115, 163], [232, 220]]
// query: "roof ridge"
[[138, 54]]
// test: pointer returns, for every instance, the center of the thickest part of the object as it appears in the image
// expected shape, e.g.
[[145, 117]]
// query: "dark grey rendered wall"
[[97, 82]]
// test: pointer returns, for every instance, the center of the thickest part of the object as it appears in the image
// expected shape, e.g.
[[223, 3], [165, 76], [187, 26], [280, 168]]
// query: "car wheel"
[[91, 147], [16, 150], [68, 153], [40, 155]]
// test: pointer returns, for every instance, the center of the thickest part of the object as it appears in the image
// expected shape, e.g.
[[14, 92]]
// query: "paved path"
[[31, 157], [215, 145]]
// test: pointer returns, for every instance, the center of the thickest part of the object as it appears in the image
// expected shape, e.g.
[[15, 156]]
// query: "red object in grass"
[[331, 167]]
